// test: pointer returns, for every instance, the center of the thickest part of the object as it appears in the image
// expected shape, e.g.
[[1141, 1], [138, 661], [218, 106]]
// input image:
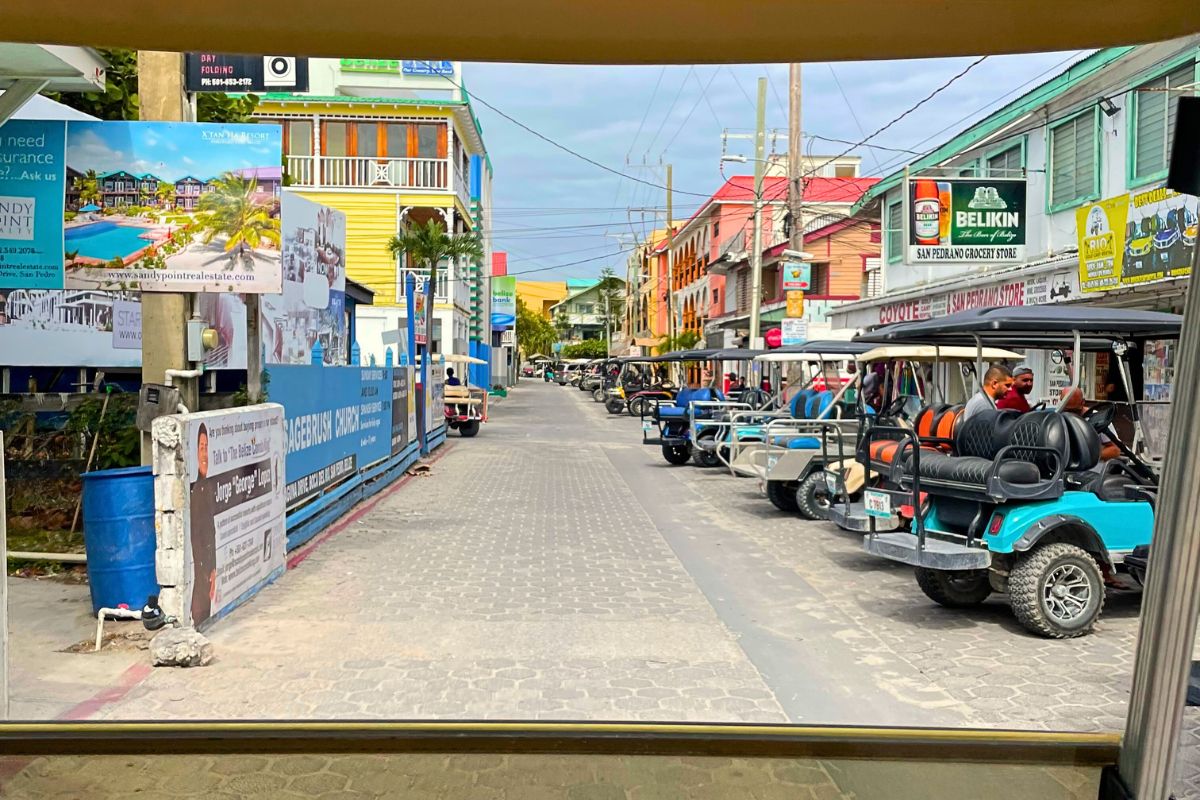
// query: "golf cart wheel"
[[954, 589], [637, 406], [705, 458], [782, 495], [469, 428], [812, 498], [1056, 590], [598, 395], [614, 405], [677, 453]]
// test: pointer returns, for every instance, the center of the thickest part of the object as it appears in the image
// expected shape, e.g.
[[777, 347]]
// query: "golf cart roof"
[[1033, 326], [538, 357], [931, 352], [463, 358], [683, 355], [818, 350], [735, 354]]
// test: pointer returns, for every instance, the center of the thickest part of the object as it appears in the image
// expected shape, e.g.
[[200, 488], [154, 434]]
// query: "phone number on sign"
[[226, 81]]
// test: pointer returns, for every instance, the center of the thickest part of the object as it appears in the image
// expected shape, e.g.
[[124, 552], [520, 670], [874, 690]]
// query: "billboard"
[[1135, 238], [793, 331], [797, 276], [236, 534], [504, 301], [335, 417], [403, 430], [312, 306], [171, 206], [218, 72], [966, 219], [32, 181]]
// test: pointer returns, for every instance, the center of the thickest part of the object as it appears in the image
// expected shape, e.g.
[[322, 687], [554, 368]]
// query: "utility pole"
[[795, 151], [670, 264], [164, 314], [756, 254]]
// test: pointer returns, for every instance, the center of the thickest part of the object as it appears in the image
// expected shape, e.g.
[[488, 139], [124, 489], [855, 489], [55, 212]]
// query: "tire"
[[469, 428], [812, 497], [637, 406], [960, 589], [1035, 576], [782, 495], [614, 405], [598, 395], [676, 453], [705, 458]]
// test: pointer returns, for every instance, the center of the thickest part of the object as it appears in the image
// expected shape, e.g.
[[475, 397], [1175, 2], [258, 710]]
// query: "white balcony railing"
[[359, 172], [441, 290], [460, 187]]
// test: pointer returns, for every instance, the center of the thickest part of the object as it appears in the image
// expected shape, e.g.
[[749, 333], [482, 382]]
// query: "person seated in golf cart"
[[1073, 402], [1022, 385], [996, 383]]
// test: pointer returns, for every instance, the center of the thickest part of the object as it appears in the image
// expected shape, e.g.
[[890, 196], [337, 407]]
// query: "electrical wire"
[[649, 105], [850, 107], [670, 109], [703, 96]]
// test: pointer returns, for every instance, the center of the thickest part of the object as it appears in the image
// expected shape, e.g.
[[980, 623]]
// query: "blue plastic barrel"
[[118, 533]]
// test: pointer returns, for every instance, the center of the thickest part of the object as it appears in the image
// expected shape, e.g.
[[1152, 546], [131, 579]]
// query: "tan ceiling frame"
[[603, 31]]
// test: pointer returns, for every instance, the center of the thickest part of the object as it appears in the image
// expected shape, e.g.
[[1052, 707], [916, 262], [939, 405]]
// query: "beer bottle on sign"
[[945, 211], [926, 212]]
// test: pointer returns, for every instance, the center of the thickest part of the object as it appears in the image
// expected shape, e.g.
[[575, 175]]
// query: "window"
[[819, 281], [1074, 176], [298, 135], [366, 139], [1154, 107], [427, 141], [396, 140], [895, 231], [969, 170], [845, 171], [334, 142], [1006, 163], [716, 301]]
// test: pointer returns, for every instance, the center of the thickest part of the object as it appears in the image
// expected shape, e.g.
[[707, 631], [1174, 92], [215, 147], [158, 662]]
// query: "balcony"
[[441, 290], [358, 172]]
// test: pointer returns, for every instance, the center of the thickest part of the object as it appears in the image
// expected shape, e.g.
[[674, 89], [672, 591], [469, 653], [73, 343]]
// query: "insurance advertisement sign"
[[960, 219], [32, 181]]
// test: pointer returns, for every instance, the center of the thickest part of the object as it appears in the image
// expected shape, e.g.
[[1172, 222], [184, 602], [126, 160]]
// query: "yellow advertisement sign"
[[795, 304], [1101, 228], [1136, 238]]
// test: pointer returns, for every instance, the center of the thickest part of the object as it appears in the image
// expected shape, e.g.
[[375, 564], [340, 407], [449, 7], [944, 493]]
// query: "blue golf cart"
[[1022, 503]]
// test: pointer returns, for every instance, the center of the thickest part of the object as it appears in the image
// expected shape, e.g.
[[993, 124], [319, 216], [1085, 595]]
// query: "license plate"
[[771, 462], [877, 504], [647, 426]]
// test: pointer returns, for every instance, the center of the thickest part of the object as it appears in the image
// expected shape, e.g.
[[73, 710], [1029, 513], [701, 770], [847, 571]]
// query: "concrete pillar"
[[164, 314]]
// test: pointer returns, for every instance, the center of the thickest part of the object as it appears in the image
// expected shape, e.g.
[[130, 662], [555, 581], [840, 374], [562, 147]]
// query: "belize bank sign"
[[504, 302], [966, 219]]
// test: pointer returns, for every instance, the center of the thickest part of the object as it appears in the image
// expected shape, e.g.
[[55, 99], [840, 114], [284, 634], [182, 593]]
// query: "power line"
[[849, 107], [667, 116], [649, 105], [907, 111], [560, 146], [703, 96]]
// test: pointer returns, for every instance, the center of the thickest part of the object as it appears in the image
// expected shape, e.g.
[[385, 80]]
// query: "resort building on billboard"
[[394, 144]]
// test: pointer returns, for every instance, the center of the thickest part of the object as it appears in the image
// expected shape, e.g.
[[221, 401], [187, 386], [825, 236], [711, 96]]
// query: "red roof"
[[816, 190], [499, 262]]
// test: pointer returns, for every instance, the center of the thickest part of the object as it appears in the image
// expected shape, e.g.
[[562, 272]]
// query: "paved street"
[[554, 568]]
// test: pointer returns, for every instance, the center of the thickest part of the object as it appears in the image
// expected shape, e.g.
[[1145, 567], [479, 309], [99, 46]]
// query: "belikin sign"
[[958, 219]]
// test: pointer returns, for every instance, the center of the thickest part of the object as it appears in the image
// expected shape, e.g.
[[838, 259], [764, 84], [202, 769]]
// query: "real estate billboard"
[[31, 204]]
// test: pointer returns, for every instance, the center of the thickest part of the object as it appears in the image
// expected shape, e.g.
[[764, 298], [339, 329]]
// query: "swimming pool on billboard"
[[106, 240]]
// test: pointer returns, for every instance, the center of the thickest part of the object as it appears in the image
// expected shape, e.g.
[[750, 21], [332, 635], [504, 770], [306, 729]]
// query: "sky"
[[552, 209], [171, 151]]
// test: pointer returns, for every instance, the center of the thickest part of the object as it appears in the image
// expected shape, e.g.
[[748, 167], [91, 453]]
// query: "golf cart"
[[915, 394], [637, 385], [1022, 503], [672, 424], [465, 405]]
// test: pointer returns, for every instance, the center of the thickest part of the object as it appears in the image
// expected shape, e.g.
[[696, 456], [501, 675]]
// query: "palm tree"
[[165, 194], [427, 245], [89, 188], [231, 210]]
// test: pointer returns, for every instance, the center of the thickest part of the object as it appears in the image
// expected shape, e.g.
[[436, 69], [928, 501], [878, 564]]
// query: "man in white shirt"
[[996, 383]]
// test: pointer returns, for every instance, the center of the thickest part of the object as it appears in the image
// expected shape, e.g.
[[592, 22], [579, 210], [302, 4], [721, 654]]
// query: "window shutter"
[[874, 277], [1073, 159], [895, 225], [1150, 138], [1006, 164]]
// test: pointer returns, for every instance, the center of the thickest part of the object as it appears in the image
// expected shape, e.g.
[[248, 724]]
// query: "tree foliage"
[[684, 340], [426, 246], [535, 334], [610, 306], [589, 348], [120, 101]]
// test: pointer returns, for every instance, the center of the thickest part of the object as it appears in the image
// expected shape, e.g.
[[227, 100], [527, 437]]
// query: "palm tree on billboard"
[[88, 187], [231, 210]]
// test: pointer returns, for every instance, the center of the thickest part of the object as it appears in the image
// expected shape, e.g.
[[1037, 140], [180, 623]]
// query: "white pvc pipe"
[[65, 558], [123, 613]]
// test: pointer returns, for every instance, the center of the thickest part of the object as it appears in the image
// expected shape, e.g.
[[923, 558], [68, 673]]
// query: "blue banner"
[[337, 421], [32, 191]]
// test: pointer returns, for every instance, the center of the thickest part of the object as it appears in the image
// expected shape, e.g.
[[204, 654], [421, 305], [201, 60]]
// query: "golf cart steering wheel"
[[894, 408], [756, 398], [1039, 406], [1100, 416]]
